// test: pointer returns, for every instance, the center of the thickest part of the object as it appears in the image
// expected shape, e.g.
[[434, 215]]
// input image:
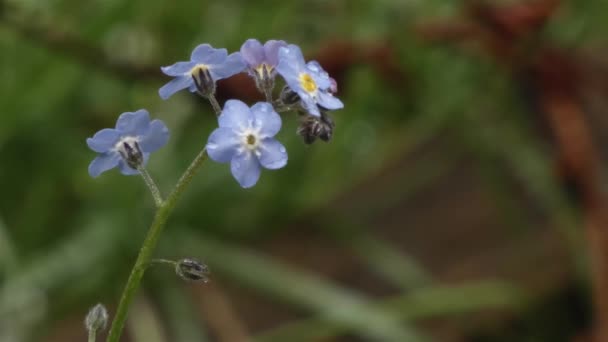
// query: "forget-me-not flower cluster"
[[246, 134]]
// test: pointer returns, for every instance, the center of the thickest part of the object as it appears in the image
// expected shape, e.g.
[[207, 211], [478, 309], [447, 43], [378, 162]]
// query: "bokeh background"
[[453, 203]]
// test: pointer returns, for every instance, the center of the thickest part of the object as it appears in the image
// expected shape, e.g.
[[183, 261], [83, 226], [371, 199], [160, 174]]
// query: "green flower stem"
[[143, 259], [92, 335], [158, 198]]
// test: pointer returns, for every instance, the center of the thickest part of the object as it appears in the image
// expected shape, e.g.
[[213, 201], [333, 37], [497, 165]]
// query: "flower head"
[[207, 65], [261, 60], [309, 81], [128, 145], [245, 139]]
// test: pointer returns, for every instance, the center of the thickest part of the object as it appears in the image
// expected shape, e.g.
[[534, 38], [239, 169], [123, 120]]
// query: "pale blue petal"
[[291, 63], [103, 162], [252, 52], [329, 101], [233, 65], [175, 85], [103, 140], [133, 123], [320, 76], [235, 115], [309, 104], [222, 145], [178, 69], [206, 54], [271, 51], [156, 137], [245, 168], [273, 154], [265, 118]]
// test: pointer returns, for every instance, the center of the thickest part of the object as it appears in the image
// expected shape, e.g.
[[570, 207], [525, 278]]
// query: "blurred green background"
[[437, 212]]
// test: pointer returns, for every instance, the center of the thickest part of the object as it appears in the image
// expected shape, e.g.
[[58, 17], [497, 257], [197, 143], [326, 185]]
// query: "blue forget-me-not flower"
[[309, 81], [207, 65], [129, 145], [261, 60], [245, 138]]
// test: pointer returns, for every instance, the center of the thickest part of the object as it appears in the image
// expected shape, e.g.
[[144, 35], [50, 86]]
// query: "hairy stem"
[[158, 198], [147, 249]]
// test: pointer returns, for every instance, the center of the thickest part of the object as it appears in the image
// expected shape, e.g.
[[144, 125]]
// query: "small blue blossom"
[[216, 63], [127, 145], [245, 139], [261, 60], [309, 81]]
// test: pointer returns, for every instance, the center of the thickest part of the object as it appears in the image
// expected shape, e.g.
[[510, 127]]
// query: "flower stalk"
[[147, 249], [158, 198]]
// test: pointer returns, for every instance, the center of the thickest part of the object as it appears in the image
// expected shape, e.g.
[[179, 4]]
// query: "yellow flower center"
[[251, 139], [307, 83]]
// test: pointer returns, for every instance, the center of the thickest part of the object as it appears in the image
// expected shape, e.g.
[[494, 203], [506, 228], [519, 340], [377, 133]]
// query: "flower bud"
[[96, 319], [192, 270], [313, 127], [288, 96]]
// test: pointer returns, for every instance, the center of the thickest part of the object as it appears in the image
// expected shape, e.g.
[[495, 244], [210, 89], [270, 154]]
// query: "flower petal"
[[103, 140], [206, 54], [252, 52], [222, 145], [245, 168], [231, 66], [265, 118], [178, 69], [273, 154], [329, 101], [271, 51], [309, 104], [175, 85], [235, 115], [156, 137], [291, 63], [133, 123], [103, 162], [320, 76]]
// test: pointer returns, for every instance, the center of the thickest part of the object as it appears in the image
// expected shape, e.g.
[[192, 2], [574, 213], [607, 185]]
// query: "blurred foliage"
[[70, 67]]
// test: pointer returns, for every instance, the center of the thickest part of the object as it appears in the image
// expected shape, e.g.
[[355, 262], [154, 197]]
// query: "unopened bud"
[[96, 319], [313, 127], [288, 96], [192, 270], [333, 86]]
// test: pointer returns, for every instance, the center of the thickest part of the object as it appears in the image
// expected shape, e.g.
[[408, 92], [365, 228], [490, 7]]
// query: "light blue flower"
[[309, 81], [245, 139], [132, 141], [261, 60], [213, 62]]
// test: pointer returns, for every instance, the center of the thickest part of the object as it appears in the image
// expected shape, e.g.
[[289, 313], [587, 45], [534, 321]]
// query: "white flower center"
[[129, 140], [250, 139]]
